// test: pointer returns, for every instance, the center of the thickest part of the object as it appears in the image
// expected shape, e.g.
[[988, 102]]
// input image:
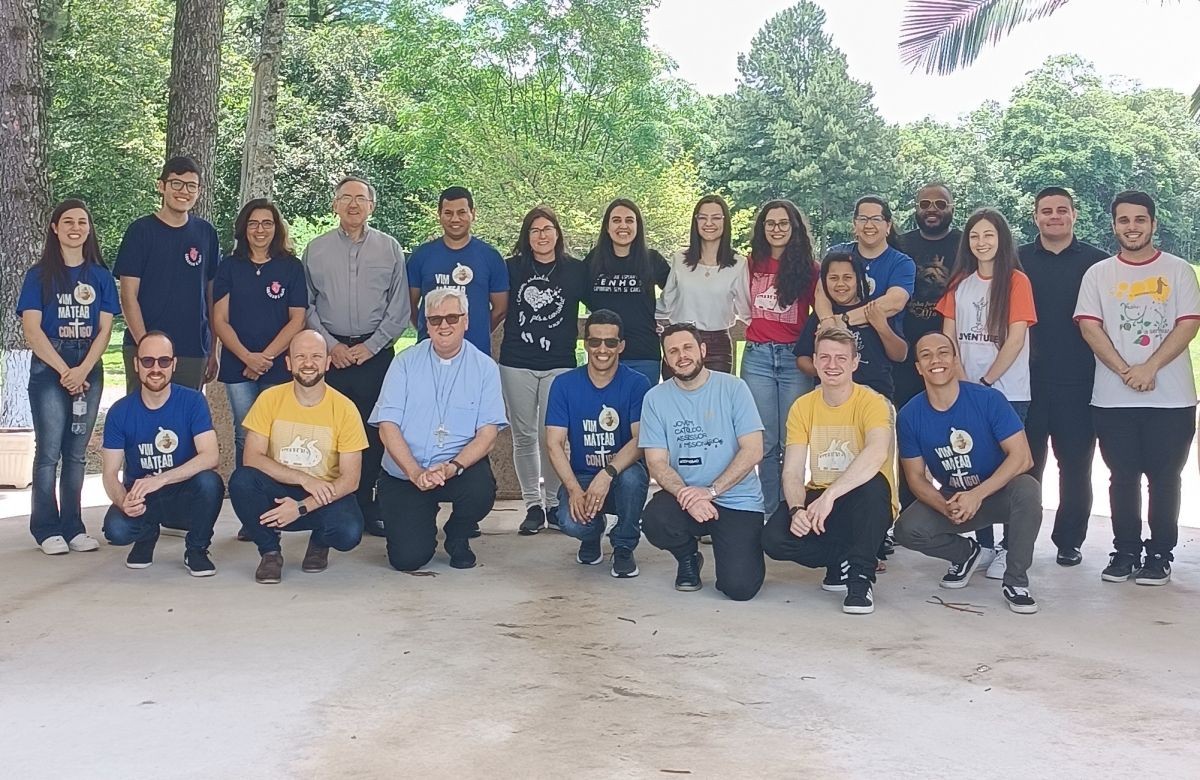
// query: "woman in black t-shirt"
[[540, 331], [623, 273]]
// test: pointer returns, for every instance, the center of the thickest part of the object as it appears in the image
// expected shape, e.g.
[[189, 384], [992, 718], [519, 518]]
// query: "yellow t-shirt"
[[307, 438], [835, 435]]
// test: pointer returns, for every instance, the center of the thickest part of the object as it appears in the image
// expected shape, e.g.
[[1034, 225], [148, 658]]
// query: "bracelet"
[[983, 381]]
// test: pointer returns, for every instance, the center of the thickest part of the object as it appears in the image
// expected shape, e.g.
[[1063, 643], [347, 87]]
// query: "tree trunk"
[[194, 84], [258, 155], [24, 190]]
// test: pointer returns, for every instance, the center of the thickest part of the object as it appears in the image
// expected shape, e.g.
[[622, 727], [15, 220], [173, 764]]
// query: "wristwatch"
[[303, 510], [458, 468], [846, 320], [792, 510], [610, 471], [712, 491]]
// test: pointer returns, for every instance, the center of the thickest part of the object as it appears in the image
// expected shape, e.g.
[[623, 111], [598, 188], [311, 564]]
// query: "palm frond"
[[942, 36]]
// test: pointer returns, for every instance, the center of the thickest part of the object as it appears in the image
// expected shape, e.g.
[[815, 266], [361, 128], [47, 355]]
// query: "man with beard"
[[459, 259], [1061, 367], [358, 288], [1138, 311], [439, 414], [301, 464], [703, 437], [163, 435]]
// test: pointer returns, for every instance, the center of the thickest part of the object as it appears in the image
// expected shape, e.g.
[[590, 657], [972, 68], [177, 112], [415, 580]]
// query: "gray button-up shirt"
[[357, 288]]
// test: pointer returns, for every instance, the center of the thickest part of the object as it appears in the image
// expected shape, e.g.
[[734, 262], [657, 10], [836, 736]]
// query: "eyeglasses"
[[178, 185], [595, 343], [163, 362], [549, 230], [357, 200], [874, 219], [938, 204], [782, 224], [450, 319], [255, 224]]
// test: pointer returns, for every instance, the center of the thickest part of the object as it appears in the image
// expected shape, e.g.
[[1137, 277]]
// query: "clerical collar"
[[446, 361]]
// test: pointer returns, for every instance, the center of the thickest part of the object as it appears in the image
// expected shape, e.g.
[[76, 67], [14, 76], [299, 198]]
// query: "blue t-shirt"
[[156, 440], [874, 367], [175, 266], [598, 420], [961, 446], [893, 268], [477, 268], [259, 299], [73, 313], [699, 429]]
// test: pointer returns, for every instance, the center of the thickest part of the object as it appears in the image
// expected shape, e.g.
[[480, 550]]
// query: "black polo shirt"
[[1058, 355]]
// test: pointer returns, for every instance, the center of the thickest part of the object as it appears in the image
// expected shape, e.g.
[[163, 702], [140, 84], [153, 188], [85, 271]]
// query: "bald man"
[[301, 465]]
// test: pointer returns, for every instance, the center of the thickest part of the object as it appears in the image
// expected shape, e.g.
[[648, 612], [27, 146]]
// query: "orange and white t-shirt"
[[967, 305]]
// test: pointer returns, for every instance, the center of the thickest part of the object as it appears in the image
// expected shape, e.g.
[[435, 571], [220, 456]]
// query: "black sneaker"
[[886, 547], [623, 563], [198, 563], [959, 574], [552, 517], [535, 520], [141, 555], [1120, 566], [461, 556], [860, 597], [835, 577], [1069, 556], [687, 577], [1155, 570], [1019, 600], [589, 552]]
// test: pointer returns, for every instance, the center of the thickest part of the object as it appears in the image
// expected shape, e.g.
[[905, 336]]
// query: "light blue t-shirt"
[[439, 405], [699, 429]]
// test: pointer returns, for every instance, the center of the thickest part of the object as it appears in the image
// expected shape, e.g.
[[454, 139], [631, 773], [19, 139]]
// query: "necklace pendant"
[[441, 434]]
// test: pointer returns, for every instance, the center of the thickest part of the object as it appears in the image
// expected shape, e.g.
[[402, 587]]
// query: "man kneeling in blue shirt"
[[597, 409]]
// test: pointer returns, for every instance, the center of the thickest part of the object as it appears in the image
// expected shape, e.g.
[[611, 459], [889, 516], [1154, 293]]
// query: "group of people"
[[991, 352]]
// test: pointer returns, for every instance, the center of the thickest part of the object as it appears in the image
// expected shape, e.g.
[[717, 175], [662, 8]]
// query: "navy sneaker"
[[589, 552], [141, 555], [687, 576], [624, 565], [198, 563], [535, 520]]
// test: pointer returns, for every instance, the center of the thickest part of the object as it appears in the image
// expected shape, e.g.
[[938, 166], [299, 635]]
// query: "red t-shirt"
[[768, 322]]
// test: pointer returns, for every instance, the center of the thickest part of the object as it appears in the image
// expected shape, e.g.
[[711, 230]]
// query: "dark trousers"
[[410, 514], [1061, 417], [252, 493], [361, 384], [1154, 442], [853, 531], [718, 354], [736, 542], [192, 504]]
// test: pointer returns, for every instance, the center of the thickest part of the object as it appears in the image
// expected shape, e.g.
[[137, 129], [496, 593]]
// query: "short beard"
[[316, 380], [1145, 243], [940, 227], [689, 377]]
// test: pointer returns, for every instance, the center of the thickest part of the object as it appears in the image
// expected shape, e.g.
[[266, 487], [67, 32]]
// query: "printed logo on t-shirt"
[[462, 275], [691, 461], [932, 278], [155, 457], [275, 291], [870, 286], [765, 299], [836, 457], [302, 453], [692, 434], [630, 284], [601, 440], [978, 331], [193, 257], [956, 459], [84, 293], [1143, 309], [75, 315], [542, 303], [608, 418]]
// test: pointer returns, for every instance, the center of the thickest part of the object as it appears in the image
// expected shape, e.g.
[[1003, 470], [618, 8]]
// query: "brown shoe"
[[270, 569], [316, 558]]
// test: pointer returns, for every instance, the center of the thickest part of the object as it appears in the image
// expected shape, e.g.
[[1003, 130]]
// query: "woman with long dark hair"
[[988, 310], [623, 273], [783, 278], [260, 297], [709, 285], [890, 272], [67, 303], [545, 287]]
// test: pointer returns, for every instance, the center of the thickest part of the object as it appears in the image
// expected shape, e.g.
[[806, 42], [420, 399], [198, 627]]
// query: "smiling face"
[[777, 225], [447, 336], [841, 283], [260, 230], [72, 228], [935, 209], [599, 342], [353, 205], [871, 226], [1133, 227], [1055, 217], [935, 359], [308, 358], [155, 348], [835, 362], [684, 355], [983, 241], [179, 191], [622, 228], [710, 222], [542, 238], [456, 218]]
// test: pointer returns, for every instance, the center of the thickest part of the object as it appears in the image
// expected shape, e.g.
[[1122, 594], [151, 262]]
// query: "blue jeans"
[[192, 504], [770, 371], [338, 525], [242, 396], [53, 441], [647, 368], [625, 499]]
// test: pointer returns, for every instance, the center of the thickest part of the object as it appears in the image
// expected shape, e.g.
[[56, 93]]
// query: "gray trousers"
[[525, 394], [1019, 504]]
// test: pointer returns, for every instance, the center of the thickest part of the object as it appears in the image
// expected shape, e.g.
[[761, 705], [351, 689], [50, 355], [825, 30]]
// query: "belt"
[[351, 341]]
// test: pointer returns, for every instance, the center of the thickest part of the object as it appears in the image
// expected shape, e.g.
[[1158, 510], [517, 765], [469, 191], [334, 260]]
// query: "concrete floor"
[[533, 666]]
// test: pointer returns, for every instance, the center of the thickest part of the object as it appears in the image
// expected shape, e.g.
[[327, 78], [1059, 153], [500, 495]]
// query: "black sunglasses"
[[436, 319], [595, 342], [163, 362]]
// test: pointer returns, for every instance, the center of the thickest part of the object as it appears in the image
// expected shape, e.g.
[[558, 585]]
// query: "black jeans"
[[361, 384], [410, 514], [736, 542], [1154, 442], [1060, 416], [853, 531]]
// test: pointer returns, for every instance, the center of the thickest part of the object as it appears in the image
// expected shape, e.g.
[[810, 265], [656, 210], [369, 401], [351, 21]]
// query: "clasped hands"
[[134, 502], [434, 476], [584, 505], [697, 502], [287, 509], [344, 356], [1139, 377]]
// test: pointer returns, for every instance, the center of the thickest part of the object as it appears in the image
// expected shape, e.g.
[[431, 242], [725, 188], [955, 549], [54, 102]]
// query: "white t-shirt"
[[711, 298], [1138, 305]]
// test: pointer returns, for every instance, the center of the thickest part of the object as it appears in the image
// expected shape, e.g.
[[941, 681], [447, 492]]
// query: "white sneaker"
[[54, 545], [995, 570], [986, 556], [83, 543]]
